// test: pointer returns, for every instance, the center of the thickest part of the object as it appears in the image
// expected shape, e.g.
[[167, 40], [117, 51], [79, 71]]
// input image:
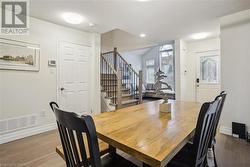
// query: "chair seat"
[[103, 147], [116, 161], [183, 158]]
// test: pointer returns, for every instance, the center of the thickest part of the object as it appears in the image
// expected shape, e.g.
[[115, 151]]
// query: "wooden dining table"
[[143, 132]]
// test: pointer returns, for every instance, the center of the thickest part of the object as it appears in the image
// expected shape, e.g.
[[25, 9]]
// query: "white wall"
[[107, 42], [179, 47], [235, 67], [123, 40], [186, 54], [189, 64], [134, 59], [23, 93]]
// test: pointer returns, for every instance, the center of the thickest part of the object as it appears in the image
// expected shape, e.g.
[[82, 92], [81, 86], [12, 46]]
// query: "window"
[[167, 63], [167, 47], [209, 69], [150, 71]]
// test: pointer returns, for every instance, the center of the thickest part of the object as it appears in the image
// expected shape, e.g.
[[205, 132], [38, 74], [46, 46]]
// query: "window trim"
[[150, 66], [160, 60]]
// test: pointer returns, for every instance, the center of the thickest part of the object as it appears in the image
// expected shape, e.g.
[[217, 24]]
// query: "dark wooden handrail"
[[107, 53]]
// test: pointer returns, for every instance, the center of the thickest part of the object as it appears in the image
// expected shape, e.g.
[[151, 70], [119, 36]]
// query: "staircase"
[[121, 84]]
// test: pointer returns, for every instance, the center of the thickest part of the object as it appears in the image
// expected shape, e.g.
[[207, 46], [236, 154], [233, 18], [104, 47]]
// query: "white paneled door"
[[74, 77], [208, 76]]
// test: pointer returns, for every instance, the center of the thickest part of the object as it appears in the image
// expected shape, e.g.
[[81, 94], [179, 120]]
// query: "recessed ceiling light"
[[201, 35], [143, 35], [91, 24], [72, 18], [142, 0]]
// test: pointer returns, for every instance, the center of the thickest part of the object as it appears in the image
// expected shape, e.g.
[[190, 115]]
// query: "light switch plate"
[[52, 63]]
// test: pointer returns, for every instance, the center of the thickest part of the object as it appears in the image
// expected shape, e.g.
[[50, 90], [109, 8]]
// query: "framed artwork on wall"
[[18, 55]]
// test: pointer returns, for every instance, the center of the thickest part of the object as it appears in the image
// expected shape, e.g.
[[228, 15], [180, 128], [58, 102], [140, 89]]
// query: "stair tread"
[[130, 101], [126, 95], [123, 95], [107, 74], [124, 102], [115, 90], [113, 84], [113, 79]]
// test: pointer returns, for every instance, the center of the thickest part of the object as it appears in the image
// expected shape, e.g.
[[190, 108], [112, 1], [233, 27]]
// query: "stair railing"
[[111, 82], [130, 79]]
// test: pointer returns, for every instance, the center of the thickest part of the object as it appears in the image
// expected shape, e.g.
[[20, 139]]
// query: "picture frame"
[[18, 55]]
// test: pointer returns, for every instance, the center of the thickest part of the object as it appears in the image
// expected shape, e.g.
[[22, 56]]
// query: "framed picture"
[[17, 55]]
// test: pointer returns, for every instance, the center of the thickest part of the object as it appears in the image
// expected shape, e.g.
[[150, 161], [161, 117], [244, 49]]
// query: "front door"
[[207, 76], [74, 77]]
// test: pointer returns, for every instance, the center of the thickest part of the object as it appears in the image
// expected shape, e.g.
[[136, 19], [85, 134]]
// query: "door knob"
[[62, 88]]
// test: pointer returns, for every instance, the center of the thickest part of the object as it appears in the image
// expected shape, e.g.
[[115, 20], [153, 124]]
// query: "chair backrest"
[[53, 105], [204, 130], [72, 127], [223, 96]]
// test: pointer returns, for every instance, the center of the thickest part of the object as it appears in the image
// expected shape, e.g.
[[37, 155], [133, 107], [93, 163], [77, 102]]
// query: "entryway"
[[208, 83]]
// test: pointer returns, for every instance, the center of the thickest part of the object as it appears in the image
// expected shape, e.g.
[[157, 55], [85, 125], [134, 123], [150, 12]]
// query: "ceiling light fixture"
[[91, 24], [72, 18], [201, 35], [143, 35]]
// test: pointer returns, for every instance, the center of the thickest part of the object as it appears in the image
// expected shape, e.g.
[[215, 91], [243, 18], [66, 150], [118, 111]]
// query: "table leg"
[[112, 150]]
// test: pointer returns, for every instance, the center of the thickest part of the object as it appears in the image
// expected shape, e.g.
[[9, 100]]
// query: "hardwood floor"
[[39, 151], [232, 152]]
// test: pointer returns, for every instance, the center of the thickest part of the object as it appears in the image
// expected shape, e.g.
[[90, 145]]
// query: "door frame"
[[197, 57], [58, 67]]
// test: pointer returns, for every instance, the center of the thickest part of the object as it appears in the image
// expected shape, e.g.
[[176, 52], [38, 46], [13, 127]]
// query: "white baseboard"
[[26, 132], [226, 130]]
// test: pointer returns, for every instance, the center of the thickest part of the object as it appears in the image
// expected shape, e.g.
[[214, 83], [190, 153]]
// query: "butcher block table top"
[[145, 133]]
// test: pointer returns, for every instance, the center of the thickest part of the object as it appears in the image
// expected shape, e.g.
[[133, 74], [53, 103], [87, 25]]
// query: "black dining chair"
[[72, 127], [104, 147], [53, 105], [195, 154], [213, 140]]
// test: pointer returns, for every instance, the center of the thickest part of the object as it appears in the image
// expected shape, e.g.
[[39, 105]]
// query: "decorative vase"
[[165, 107]]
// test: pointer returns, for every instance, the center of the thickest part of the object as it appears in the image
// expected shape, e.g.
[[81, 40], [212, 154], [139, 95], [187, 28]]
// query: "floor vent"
[[13, 124]]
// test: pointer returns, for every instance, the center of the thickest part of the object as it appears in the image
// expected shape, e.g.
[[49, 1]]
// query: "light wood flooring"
[[39, 151]]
